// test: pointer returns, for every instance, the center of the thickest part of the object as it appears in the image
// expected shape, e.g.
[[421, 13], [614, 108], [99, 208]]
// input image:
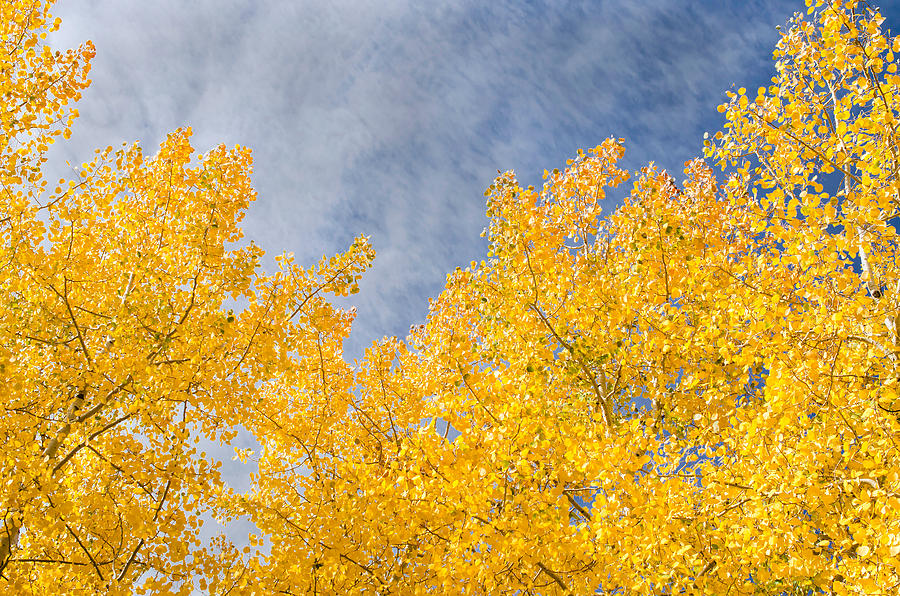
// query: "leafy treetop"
[[694, 394]]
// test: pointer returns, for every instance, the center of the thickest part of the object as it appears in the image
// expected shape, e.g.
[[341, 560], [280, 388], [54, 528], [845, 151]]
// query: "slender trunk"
[[12, 524]]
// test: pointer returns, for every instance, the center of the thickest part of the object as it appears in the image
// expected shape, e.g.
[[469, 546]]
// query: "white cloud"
[[390, 118]]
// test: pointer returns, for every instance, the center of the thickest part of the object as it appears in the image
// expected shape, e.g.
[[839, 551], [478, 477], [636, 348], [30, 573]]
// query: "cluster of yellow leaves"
[[695, 394], [118, 350]]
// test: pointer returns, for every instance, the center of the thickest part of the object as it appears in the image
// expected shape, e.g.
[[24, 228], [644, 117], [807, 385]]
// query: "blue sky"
[[390, 118]]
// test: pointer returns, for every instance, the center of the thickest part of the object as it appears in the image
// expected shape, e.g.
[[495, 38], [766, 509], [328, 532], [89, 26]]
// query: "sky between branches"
[[390, 118]]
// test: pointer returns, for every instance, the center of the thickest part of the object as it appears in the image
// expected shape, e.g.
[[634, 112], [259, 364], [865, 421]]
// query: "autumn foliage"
[[697, 393]]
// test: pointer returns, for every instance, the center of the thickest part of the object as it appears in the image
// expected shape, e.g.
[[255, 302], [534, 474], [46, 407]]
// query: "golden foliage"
[[694, 394], [118, 351]]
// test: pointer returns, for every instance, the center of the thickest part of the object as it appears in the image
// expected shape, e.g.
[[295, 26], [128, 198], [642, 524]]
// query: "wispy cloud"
[[390, 118]]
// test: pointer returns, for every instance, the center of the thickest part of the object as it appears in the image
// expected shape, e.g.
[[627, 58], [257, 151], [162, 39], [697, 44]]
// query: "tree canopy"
[[697, 393]]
